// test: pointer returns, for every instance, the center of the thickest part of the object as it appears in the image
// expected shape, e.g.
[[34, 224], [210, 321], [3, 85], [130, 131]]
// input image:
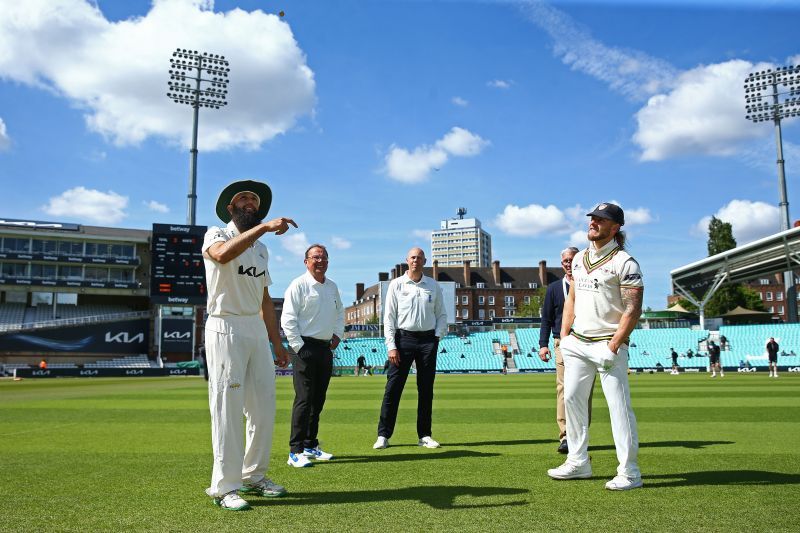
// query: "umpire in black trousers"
[[313, 321], [414, 321]]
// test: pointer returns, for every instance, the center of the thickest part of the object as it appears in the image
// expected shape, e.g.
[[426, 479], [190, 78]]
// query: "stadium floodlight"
[[198, 79], [775, 95]]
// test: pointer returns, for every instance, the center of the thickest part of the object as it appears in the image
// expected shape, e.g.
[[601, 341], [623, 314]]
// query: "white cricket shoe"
[[298, 460], [266, 487], [624, 483], [571, 471], [381, 443], [232, 502], [316, 453], [428, 442]]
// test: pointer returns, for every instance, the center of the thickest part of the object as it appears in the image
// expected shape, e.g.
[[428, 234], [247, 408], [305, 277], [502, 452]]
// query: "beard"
[[244, 220]]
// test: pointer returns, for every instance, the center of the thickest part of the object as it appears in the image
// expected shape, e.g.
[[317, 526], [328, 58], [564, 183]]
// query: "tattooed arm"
[[632, 300]]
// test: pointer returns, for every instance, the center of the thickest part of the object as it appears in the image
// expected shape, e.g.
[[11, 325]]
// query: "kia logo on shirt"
[[251, 271]]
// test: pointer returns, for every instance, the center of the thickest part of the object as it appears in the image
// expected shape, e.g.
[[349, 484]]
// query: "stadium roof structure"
[[699, 281]]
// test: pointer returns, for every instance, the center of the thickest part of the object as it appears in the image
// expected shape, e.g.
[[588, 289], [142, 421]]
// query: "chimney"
[[435, 270], [496, 272], [359, 291], [543, 273], [467, 272], [383, 276], [404, 268], [394, 273], [398, 271]]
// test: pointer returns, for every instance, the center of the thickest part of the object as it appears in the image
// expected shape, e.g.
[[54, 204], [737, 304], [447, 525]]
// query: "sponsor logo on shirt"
[[588, 284], [251, 271]]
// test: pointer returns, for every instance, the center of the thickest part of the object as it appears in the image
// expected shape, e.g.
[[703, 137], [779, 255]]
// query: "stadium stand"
[[131, 361], [747, 344], [651, 346], [11, 316]]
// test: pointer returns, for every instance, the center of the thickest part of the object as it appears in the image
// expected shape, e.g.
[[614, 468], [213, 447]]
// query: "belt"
[[316, 342], [429, 334]]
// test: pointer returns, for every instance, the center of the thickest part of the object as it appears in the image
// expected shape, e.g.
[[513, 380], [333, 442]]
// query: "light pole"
[[775, 95], [199, 80]]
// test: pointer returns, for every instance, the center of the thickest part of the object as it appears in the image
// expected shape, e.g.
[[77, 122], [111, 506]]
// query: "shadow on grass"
[[721, 477], [382, 456], [690, 444], [518, 442], [437, 497]]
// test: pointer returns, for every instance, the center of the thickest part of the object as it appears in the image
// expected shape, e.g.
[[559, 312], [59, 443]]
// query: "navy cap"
[[612, 212]]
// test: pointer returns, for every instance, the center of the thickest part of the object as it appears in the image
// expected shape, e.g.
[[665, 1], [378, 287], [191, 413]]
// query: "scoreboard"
[[177, 272]]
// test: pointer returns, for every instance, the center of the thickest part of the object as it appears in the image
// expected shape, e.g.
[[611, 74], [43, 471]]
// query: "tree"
[[372, 320], [532, 309], [720, 237]]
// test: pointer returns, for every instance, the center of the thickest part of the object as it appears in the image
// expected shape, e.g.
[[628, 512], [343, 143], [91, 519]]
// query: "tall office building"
[[461, 239]]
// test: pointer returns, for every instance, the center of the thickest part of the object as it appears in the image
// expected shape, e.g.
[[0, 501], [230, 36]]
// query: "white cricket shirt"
[[598, 278], [413, 306], [312, 309], [237, 287]]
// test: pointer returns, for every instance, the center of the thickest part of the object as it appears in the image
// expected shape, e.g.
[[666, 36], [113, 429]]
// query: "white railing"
[[77, 321]]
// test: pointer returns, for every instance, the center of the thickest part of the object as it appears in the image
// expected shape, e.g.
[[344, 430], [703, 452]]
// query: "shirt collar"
[[610, 245], [232, 228], [311, 279], [409, 280]]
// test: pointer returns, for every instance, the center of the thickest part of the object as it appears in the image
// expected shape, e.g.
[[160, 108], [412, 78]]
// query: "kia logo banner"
[[176, 335], [123, 337]]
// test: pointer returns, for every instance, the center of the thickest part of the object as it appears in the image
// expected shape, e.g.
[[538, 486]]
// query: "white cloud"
[[295, 243], [499, 84], [422, 234], [703, 114], [532, 220], [340, 243], [637, 216], [630, 72], [5, 140], [578, 239], [749, 220], [460, 102], [158, 207], [81, 203], [414, 166], [71, 49]]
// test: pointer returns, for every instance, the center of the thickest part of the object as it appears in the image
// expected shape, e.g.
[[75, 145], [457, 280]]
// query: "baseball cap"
[[612, 212], [258, 188]]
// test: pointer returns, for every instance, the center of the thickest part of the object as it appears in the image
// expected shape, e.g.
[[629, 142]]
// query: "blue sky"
[[374, 120]]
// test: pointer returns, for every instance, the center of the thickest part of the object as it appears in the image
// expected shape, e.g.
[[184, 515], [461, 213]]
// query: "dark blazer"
[[552, 309]]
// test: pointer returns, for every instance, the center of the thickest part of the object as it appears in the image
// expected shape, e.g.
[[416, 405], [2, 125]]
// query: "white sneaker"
[[298, 460], [571, 471], [316, 453], [624, 483], [381, 443], [722, 374], [713, 375], [232, 502], [428, 442], [266, 487]]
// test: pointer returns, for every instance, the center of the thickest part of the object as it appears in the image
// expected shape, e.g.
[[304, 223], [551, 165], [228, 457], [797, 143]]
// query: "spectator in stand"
[[361, 363], [714, 360], [772, 353], [43, 364], [723, 342]]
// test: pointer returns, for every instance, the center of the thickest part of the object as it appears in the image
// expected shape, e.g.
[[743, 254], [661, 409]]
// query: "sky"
[[373, 120]]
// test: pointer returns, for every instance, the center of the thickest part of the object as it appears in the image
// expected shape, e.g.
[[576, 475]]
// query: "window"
[[119, 274], [491, 313], [771, 309], [464, 300], [16, 245], [508, 301], [779, 296], [780, 309], [506, 284], [14, 270], [70, 248], [96, 273], [48, 247], [533, 285], [763, 281], [69, 272], [481, 300], [464, 313], [526, 300], [769, 297], [481, 314], [43, 271], [509, 312], [480, 285], [491, 300]]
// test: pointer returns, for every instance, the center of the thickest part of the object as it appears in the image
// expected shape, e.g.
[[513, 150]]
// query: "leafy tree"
[[720, 237], [533, 309], [372, 320]]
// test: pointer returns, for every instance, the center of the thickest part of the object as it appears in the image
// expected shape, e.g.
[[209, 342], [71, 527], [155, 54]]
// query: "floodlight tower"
[[199, 80], [775, 95]]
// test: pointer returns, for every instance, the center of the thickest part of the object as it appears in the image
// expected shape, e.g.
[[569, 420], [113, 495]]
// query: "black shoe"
[[563, 448]]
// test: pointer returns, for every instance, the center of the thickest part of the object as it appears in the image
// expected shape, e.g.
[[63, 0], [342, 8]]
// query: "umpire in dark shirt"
[[551, 322]]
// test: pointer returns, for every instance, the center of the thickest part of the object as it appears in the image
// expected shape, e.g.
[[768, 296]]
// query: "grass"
[[134, 454]]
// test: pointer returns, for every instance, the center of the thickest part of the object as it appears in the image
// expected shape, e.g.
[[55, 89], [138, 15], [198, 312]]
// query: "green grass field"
[[134, 454]]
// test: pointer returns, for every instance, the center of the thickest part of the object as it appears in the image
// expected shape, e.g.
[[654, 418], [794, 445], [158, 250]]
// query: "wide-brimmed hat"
[[261, 190], [612, 212]]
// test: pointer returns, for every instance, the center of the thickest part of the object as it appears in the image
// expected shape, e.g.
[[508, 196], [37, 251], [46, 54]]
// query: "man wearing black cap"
[[601, 311], [241, 324]]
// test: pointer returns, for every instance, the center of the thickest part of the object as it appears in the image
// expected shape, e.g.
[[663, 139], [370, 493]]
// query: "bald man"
[[414, 320]]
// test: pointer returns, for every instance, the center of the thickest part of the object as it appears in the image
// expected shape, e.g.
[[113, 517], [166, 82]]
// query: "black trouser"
[[312, 369], [419, 347]]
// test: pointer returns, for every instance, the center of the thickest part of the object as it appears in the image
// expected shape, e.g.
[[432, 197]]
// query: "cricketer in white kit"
[[241, 323], [601, 311]]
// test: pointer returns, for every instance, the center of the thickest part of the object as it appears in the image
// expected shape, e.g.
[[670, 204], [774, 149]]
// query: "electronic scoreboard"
[[177, 273]]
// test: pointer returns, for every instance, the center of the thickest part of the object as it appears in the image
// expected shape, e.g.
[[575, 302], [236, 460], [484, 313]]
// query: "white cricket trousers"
[[581, 361], [241, 381]]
